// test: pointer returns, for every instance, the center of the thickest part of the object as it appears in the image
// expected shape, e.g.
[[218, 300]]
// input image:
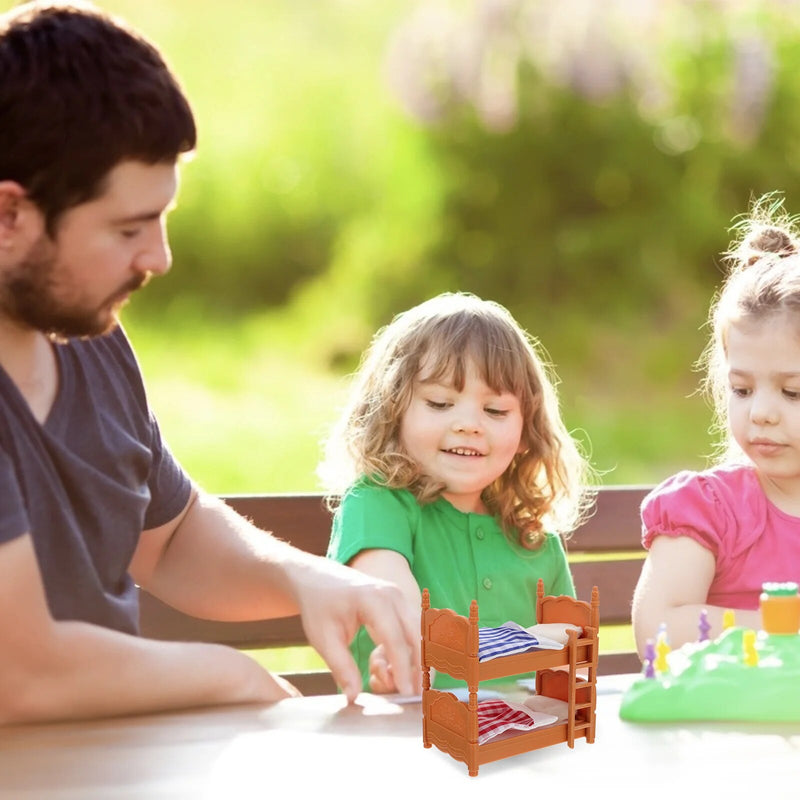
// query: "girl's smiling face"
[[465, 438]]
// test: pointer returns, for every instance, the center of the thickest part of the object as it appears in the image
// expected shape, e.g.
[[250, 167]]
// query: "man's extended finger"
[[342, 666]]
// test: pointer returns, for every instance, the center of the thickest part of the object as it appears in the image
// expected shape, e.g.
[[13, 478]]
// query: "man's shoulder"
[[111, 355], [113, 345], [103, 371]]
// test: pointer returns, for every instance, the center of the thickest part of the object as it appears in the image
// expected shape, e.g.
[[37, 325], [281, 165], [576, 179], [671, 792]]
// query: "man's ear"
[[21, 222]]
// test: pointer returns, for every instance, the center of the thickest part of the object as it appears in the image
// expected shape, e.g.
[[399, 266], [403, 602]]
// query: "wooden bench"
[[605, 552]]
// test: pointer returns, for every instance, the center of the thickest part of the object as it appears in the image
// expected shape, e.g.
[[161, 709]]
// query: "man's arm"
[[66, 669], [212, 563]]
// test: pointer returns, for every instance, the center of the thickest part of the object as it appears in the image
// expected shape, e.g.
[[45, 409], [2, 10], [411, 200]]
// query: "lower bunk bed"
[[565, 680]]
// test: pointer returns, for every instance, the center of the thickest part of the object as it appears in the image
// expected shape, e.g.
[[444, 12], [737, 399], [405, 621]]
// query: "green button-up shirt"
[[458, 557]]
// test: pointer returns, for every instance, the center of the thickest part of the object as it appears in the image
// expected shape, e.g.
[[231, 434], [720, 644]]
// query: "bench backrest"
[[605, 552]]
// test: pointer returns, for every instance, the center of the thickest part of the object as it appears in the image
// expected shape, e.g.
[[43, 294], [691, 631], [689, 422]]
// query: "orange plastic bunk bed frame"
[[450, 644]]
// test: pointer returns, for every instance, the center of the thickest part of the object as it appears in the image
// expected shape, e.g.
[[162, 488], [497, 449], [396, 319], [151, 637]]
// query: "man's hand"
[[335, 601]]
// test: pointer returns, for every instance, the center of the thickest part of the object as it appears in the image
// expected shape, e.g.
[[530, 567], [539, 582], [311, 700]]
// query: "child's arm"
[[391, 566], [673, 589]]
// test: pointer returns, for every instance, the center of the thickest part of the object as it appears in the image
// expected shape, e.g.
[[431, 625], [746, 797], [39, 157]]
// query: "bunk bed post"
[[473, 645], [572, 649], [539, 597], [472, 736], [426, 670]]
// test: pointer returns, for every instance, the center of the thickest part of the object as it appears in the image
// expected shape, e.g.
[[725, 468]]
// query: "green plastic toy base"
[[710, 681]]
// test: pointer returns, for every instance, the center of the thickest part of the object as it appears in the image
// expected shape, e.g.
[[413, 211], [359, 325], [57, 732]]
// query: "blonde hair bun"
[[768, 240]]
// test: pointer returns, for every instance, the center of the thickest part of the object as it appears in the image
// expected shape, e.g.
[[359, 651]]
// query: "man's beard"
[[28, 296]]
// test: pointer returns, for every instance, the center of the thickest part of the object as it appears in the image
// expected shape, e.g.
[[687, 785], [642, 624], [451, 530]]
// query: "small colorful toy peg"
[[662, 649], [749, 652], [703, 626], [649, 659], [650, 650], [728, 619], [662, 633]]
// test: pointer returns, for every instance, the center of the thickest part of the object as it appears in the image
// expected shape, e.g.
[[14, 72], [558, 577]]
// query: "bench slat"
[[160, 621], [301, 519], [615, 581], [618, 663], [615, 524]]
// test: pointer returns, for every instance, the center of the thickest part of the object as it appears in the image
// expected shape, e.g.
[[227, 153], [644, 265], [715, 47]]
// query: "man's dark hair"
[[79, 93]]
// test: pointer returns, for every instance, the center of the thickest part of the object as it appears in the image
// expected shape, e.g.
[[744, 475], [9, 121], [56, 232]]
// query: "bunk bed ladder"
[[591, 687], [588, 686], [572, 688], [426, 671]]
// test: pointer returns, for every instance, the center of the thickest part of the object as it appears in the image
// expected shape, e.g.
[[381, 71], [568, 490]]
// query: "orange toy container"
[[780, 608]]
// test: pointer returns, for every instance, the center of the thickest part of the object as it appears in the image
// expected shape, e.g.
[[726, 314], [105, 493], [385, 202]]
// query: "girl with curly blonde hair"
[[452, 469]]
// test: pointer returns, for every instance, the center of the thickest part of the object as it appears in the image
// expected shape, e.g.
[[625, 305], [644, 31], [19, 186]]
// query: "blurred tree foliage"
[[591, 155], [579, 162]]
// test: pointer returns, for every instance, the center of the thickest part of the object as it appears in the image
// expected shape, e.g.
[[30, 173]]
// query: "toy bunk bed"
[[450, 645]]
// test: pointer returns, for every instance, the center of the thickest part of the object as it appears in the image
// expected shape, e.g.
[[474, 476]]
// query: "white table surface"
[[318, 747]]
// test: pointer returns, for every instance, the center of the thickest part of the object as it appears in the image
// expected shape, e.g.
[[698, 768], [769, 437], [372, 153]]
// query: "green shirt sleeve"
[[373, 517], [562, 576]]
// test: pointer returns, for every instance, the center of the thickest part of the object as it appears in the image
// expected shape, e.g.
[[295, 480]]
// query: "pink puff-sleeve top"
[[726, 511]]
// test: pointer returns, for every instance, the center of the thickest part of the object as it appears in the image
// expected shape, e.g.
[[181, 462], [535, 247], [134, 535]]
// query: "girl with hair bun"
[[714, 537]]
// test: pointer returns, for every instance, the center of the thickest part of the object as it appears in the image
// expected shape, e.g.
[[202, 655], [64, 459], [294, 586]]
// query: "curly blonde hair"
[[763, 281], [547, 484]]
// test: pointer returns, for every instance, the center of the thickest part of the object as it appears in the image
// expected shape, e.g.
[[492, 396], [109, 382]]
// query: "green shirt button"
[[479, 533], [487, 583]]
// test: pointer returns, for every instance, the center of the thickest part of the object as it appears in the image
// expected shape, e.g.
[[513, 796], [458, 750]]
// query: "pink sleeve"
[[686, 505]]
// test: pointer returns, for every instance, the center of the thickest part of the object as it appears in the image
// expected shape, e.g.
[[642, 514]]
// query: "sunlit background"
[[579, 162]]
